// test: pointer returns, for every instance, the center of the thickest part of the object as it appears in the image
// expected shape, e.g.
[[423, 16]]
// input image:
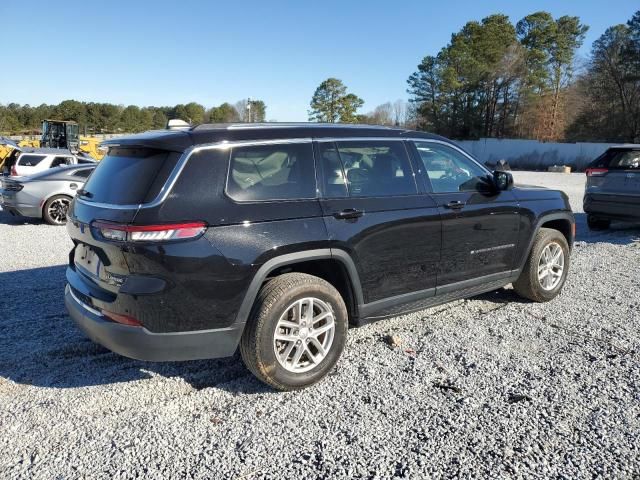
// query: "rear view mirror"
[[503, 180]]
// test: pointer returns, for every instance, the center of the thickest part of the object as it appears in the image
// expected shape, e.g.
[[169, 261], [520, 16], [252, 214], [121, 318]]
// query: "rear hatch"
[[615, 174], [126, 178]]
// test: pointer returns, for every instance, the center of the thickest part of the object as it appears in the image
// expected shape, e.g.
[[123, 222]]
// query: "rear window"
[[27, 160], [130, 175], [618, 159]]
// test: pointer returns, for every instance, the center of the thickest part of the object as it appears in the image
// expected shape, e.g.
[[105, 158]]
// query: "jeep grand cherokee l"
[[273, 238]]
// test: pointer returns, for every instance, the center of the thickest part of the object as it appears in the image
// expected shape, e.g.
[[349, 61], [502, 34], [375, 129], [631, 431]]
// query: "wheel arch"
[[49, 197], [564, 222], [334, 266]]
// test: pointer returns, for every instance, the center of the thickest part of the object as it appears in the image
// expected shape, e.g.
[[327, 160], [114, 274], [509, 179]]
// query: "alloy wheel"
[[304, 334], [551, 266], [58, 209]]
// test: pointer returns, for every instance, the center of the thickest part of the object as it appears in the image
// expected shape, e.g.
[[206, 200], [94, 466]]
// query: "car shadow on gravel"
[[620, 233], [41, 346], [502, 296], [7, 219]]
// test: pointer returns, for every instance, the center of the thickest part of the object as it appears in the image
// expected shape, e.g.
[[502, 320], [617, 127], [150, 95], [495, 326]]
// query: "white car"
[[38, 160]]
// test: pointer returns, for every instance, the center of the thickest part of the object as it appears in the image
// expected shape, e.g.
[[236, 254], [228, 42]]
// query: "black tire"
[[528, 284], [257, 345], [595, 223], [59, 216]]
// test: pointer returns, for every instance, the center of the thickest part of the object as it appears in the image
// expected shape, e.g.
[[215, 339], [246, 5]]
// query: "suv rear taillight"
[[149, 233], [596, 172], [122, 319], [14, 171]]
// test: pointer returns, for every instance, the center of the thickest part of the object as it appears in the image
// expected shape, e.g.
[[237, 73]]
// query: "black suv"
[[190, 243]]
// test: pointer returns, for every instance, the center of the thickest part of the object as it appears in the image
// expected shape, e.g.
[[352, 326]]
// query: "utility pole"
[[249, 119]]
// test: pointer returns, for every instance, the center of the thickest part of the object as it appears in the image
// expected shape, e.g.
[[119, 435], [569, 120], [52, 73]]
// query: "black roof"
[[179, 140]]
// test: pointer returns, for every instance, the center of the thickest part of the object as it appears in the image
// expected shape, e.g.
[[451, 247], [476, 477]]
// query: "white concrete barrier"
[[532, 154]]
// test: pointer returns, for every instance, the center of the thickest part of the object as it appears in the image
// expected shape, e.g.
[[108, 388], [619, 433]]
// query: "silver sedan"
[[45, 195]]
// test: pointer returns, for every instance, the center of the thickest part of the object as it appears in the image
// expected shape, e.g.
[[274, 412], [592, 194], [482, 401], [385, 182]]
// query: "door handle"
[[348, 213], [454, 205]]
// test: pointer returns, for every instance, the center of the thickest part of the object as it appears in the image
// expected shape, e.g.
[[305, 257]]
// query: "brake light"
[[14, 171], [122, 319], [595, 172], [150, 233]]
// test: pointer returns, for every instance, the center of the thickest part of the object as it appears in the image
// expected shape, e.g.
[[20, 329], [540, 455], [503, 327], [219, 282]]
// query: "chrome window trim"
[[225, 144]]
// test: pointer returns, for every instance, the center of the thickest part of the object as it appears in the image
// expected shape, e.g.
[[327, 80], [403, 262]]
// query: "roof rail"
[[244, 126]]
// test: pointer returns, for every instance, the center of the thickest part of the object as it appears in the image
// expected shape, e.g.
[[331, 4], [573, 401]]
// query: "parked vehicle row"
[[41, 182], [45, 195], [29, 161], [272, 238]]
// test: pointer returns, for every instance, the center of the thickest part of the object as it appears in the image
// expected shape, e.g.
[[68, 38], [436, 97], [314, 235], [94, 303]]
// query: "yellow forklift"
[[66, 134]]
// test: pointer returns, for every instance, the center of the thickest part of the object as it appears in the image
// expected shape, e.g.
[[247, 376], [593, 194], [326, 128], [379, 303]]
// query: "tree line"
[[110, 118], [497, 79]]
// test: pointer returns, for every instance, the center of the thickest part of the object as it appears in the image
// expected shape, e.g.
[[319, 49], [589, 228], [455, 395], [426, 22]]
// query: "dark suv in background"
[[613, 187], [190, 243]]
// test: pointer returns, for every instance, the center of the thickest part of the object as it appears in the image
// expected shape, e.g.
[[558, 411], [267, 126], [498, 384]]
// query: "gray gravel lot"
[[487, 387]]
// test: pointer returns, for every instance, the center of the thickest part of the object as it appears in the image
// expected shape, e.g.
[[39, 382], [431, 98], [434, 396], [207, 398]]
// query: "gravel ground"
[[487, 387]]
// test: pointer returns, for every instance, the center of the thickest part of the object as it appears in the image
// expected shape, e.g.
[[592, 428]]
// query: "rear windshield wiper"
[[84, 193]]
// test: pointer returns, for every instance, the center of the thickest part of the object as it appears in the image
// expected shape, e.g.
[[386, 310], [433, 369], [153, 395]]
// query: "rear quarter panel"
[[244, 235]]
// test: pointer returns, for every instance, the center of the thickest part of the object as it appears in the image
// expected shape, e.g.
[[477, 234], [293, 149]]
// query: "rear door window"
[[271, 172], [372, 168], [27, 160], [128, 176]]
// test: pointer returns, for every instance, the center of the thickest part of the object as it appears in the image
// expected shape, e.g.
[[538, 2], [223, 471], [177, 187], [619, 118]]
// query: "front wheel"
[[55, 210], [545, 271], [296, 332]]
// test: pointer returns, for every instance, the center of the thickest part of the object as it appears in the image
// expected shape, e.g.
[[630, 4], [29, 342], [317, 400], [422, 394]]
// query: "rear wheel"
[[595, 223], [55, 210], [296, 332], [545, 271]]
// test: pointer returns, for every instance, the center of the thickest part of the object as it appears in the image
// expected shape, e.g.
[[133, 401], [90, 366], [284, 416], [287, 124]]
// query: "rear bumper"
[[10, 203], [141, 344], [615, 207]]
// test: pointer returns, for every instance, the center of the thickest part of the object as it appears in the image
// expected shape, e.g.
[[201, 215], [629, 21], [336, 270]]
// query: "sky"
[[160, 52]]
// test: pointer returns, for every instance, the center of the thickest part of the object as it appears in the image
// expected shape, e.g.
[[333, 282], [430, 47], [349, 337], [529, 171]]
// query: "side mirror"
[[503, 180]]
